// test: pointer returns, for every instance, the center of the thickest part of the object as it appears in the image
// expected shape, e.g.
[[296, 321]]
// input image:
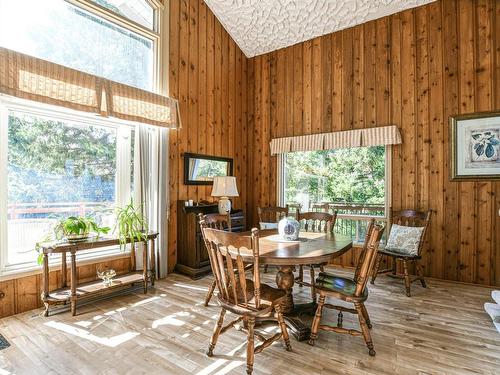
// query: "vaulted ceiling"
[[261, 26]]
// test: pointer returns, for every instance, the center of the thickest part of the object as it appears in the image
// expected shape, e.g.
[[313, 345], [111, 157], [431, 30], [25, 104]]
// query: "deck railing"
[[352, 218]]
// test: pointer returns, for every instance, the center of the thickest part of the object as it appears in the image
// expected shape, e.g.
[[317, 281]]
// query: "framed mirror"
[[201, 169]]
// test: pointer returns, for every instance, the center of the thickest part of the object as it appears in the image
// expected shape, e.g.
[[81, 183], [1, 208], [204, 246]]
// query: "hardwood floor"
[[440, 330]]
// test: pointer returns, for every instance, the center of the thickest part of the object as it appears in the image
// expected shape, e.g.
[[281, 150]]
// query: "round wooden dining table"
[[311, 248]]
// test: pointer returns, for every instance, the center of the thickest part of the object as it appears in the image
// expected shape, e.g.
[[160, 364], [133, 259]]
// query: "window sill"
[[16, 272]]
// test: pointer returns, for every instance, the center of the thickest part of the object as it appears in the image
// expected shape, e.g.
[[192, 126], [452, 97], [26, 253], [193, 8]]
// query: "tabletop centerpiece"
[[289, 228]]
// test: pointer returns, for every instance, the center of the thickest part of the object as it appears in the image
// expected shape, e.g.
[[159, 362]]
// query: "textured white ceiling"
[[261, 26]]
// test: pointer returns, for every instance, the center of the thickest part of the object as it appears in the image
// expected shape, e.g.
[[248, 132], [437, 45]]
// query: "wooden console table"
[[76, 292]]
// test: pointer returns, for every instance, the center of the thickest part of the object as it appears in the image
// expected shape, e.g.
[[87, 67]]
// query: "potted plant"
[[131, 225], [73, 229]]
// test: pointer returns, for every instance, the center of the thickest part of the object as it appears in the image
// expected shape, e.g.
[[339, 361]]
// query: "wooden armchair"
[[314, 222], [273, 215], [247, 298], [216, 221], [407, 218], [349, 290]]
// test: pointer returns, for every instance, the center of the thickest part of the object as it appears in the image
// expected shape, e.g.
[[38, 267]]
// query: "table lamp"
[[224, 187]]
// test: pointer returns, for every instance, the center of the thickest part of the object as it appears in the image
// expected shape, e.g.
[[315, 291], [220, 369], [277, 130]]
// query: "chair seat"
[[399, 253], [341, 285], [269, 296]]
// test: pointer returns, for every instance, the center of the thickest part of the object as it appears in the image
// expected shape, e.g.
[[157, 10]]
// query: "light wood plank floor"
[[440, 330]]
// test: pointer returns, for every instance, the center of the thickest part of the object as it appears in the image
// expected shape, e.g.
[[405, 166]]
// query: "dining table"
[[310, 248]]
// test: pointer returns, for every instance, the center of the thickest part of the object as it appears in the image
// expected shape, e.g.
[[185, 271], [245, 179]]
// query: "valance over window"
[[385, 135], [34, 79]]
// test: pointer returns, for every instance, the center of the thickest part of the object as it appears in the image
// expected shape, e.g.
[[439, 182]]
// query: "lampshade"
[[225, 187]]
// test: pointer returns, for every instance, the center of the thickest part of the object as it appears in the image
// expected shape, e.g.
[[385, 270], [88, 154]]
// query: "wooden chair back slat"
[[370, 249], [317, 221], [411, 218], [217, 221], [229, 246], [232, 280], [241, 274], [272, 214], [362, 255]]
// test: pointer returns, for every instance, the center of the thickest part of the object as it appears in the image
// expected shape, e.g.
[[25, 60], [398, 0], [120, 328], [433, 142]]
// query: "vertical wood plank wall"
[[413, 69], [208, 74]]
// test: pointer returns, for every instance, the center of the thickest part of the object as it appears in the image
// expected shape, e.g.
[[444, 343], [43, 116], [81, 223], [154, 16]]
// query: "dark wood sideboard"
[[192, 257]]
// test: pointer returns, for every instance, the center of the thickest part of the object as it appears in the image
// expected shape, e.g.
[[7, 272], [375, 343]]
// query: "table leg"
[[292, 312], [145, 265], [64, 270], [73, 283], [45, 292], [152, 262], [285, 281]]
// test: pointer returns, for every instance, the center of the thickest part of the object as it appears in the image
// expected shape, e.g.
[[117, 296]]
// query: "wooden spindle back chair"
[[272, 214], [353, 291], [407, 218], [247, 298], [215, 221], [314, 222]]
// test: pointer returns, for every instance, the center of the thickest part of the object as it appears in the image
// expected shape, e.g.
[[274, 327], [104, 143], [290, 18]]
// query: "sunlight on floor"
[[203, 289], [111, 342], [216, 366], [171, 320]]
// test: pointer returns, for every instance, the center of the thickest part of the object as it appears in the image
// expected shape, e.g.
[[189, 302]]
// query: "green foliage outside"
[[343, 175], [52, 162]]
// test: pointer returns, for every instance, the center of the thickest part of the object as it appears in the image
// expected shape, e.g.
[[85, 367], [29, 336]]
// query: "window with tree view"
[[351, 181], [59, 167], [57, 162]]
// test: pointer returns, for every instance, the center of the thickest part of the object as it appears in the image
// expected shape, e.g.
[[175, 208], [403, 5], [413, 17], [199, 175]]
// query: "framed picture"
[[475, 146], [201, 169]]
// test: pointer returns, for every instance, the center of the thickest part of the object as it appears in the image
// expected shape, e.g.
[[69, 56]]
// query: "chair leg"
[[317, 319], [376, 268], [282, 324], [216, 334], [366, 316], [364, 328], [250, 345], [210, 293], [420, 273], [407, 278], [313, 280], [301, 275], [265, 268]]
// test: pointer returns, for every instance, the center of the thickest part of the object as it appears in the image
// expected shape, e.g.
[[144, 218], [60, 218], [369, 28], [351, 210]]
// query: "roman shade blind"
[[35, 79], [385, 135]]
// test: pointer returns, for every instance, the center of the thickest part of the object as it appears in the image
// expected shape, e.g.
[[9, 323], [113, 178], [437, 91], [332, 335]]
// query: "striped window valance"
[[384, 135], [42, 81]]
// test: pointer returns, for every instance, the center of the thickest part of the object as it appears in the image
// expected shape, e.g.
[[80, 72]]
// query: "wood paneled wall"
[[208, 74], [413, 69]]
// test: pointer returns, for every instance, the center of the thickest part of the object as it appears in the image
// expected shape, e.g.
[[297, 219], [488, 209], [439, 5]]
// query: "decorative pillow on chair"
[[404, 240], [264, 225]]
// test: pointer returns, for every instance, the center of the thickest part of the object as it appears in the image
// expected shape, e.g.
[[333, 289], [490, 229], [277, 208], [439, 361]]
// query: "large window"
[[82, 39], [58, 165], [55, 162], [351, 181]]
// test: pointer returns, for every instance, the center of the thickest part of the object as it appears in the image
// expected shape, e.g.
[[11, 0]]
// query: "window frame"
[[281, 181], [123, 165], [154, 35], [159, 36]]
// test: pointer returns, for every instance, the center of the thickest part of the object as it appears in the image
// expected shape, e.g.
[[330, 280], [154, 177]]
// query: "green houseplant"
[[73, 229], [131, 225]]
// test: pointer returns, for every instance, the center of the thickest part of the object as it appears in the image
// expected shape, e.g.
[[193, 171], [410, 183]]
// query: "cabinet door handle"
[[2, 295]]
